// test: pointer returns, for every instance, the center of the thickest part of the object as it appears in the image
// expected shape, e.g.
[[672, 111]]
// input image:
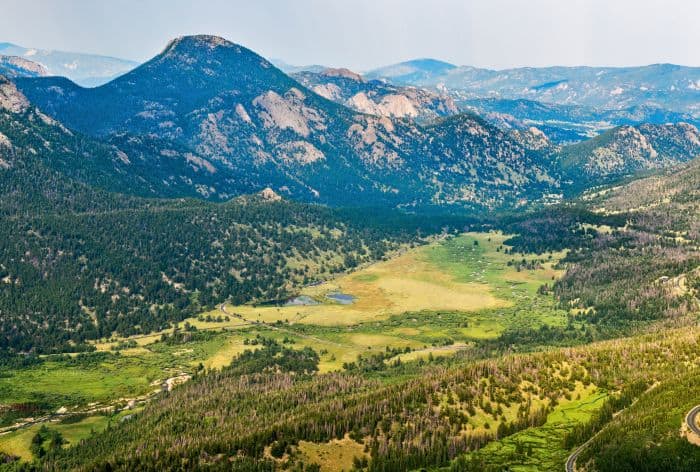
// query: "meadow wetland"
[[425, 303]]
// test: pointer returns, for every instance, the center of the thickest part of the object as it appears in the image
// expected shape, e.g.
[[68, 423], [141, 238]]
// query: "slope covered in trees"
[[71, 277], [423, 421], [645, 437]]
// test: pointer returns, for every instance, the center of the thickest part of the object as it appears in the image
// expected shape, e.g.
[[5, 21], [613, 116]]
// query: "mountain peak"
[[410, 72], [200, 41], [214, 53]]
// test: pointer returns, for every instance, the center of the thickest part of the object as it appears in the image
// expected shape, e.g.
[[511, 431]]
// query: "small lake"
[[342, 298], [301, 300]]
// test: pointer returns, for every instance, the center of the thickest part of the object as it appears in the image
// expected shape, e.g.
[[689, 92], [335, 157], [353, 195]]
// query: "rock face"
[[342, 73], [270, 195], [11, 99], [375, 97], [15, 66]]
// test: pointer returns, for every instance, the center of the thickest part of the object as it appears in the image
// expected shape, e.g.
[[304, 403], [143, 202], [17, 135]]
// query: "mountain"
[[86, 69], [416, 71], [376, 97], [255, 125], [628, 149], [565, 123], [139, 165], [292, 69], [481, 157], [665, 86], [259, 128], [216, 120], [15, 66], [673, 194]]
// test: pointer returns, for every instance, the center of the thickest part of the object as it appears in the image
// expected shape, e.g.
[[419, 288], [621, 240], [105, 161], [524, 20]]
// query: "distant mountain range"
[[247, 126], [566, 123], [666, 86], [88, 70], [212, 119]]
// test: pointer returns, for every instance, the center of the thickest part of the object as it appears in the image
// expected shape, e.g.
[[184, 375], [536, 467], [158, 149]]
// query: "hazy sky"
[[362, 34]]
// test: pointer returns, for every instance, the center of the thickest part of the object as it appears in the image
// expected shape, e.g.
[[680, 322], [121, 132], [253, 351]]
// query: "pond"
[[302, 300], [342, 298]]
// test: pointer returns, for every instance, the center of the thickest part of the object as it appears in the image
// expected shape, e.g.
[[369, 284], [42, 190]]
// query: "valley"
[[212, 261], [462, 289], [378, 332]]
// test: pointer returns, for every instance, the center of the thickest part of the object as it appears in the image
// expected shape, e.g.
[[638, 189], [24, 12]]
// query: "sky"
[[363, 34]]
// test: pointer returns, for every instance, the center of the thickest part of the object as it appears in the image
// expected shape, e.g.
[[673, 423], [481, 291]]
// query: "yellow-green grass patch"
[[18, 443], [540, 448], [334, 456], [425, 353]]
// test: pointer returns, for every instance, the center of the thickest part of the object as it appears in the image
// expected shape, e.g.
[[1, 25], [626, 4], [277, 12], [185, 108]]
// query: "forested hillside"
[[405, 424], [628, 150], [645, 438], [71, 277], [647, 268]]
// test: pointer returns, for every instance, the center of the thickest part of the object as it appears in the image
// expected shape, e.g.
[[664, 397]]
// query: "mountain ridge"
[[241, 125], [223, 102], [669, 86], [87, 69]]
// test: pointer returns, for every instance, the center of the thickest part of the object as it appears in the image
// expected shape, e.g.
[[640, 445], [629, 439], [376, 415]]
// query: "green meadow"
[[431, 301], [541, 448]]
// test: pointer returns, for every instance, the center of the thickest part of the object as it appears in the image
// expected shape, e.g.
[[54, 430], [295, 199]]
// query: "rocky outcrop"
[[11, 99], [377, 98], [15, 66]]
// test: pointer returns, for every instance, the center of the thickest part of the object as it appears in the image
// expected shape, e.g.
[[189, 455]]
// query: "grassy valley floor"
[[428, 302]]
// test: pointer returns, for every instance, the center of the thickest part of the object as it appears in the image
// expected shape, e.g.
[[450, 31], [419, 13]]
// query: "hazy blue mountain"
[[293, 69], [414, 72], [665, 86], [89, 70], [565, 123]]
